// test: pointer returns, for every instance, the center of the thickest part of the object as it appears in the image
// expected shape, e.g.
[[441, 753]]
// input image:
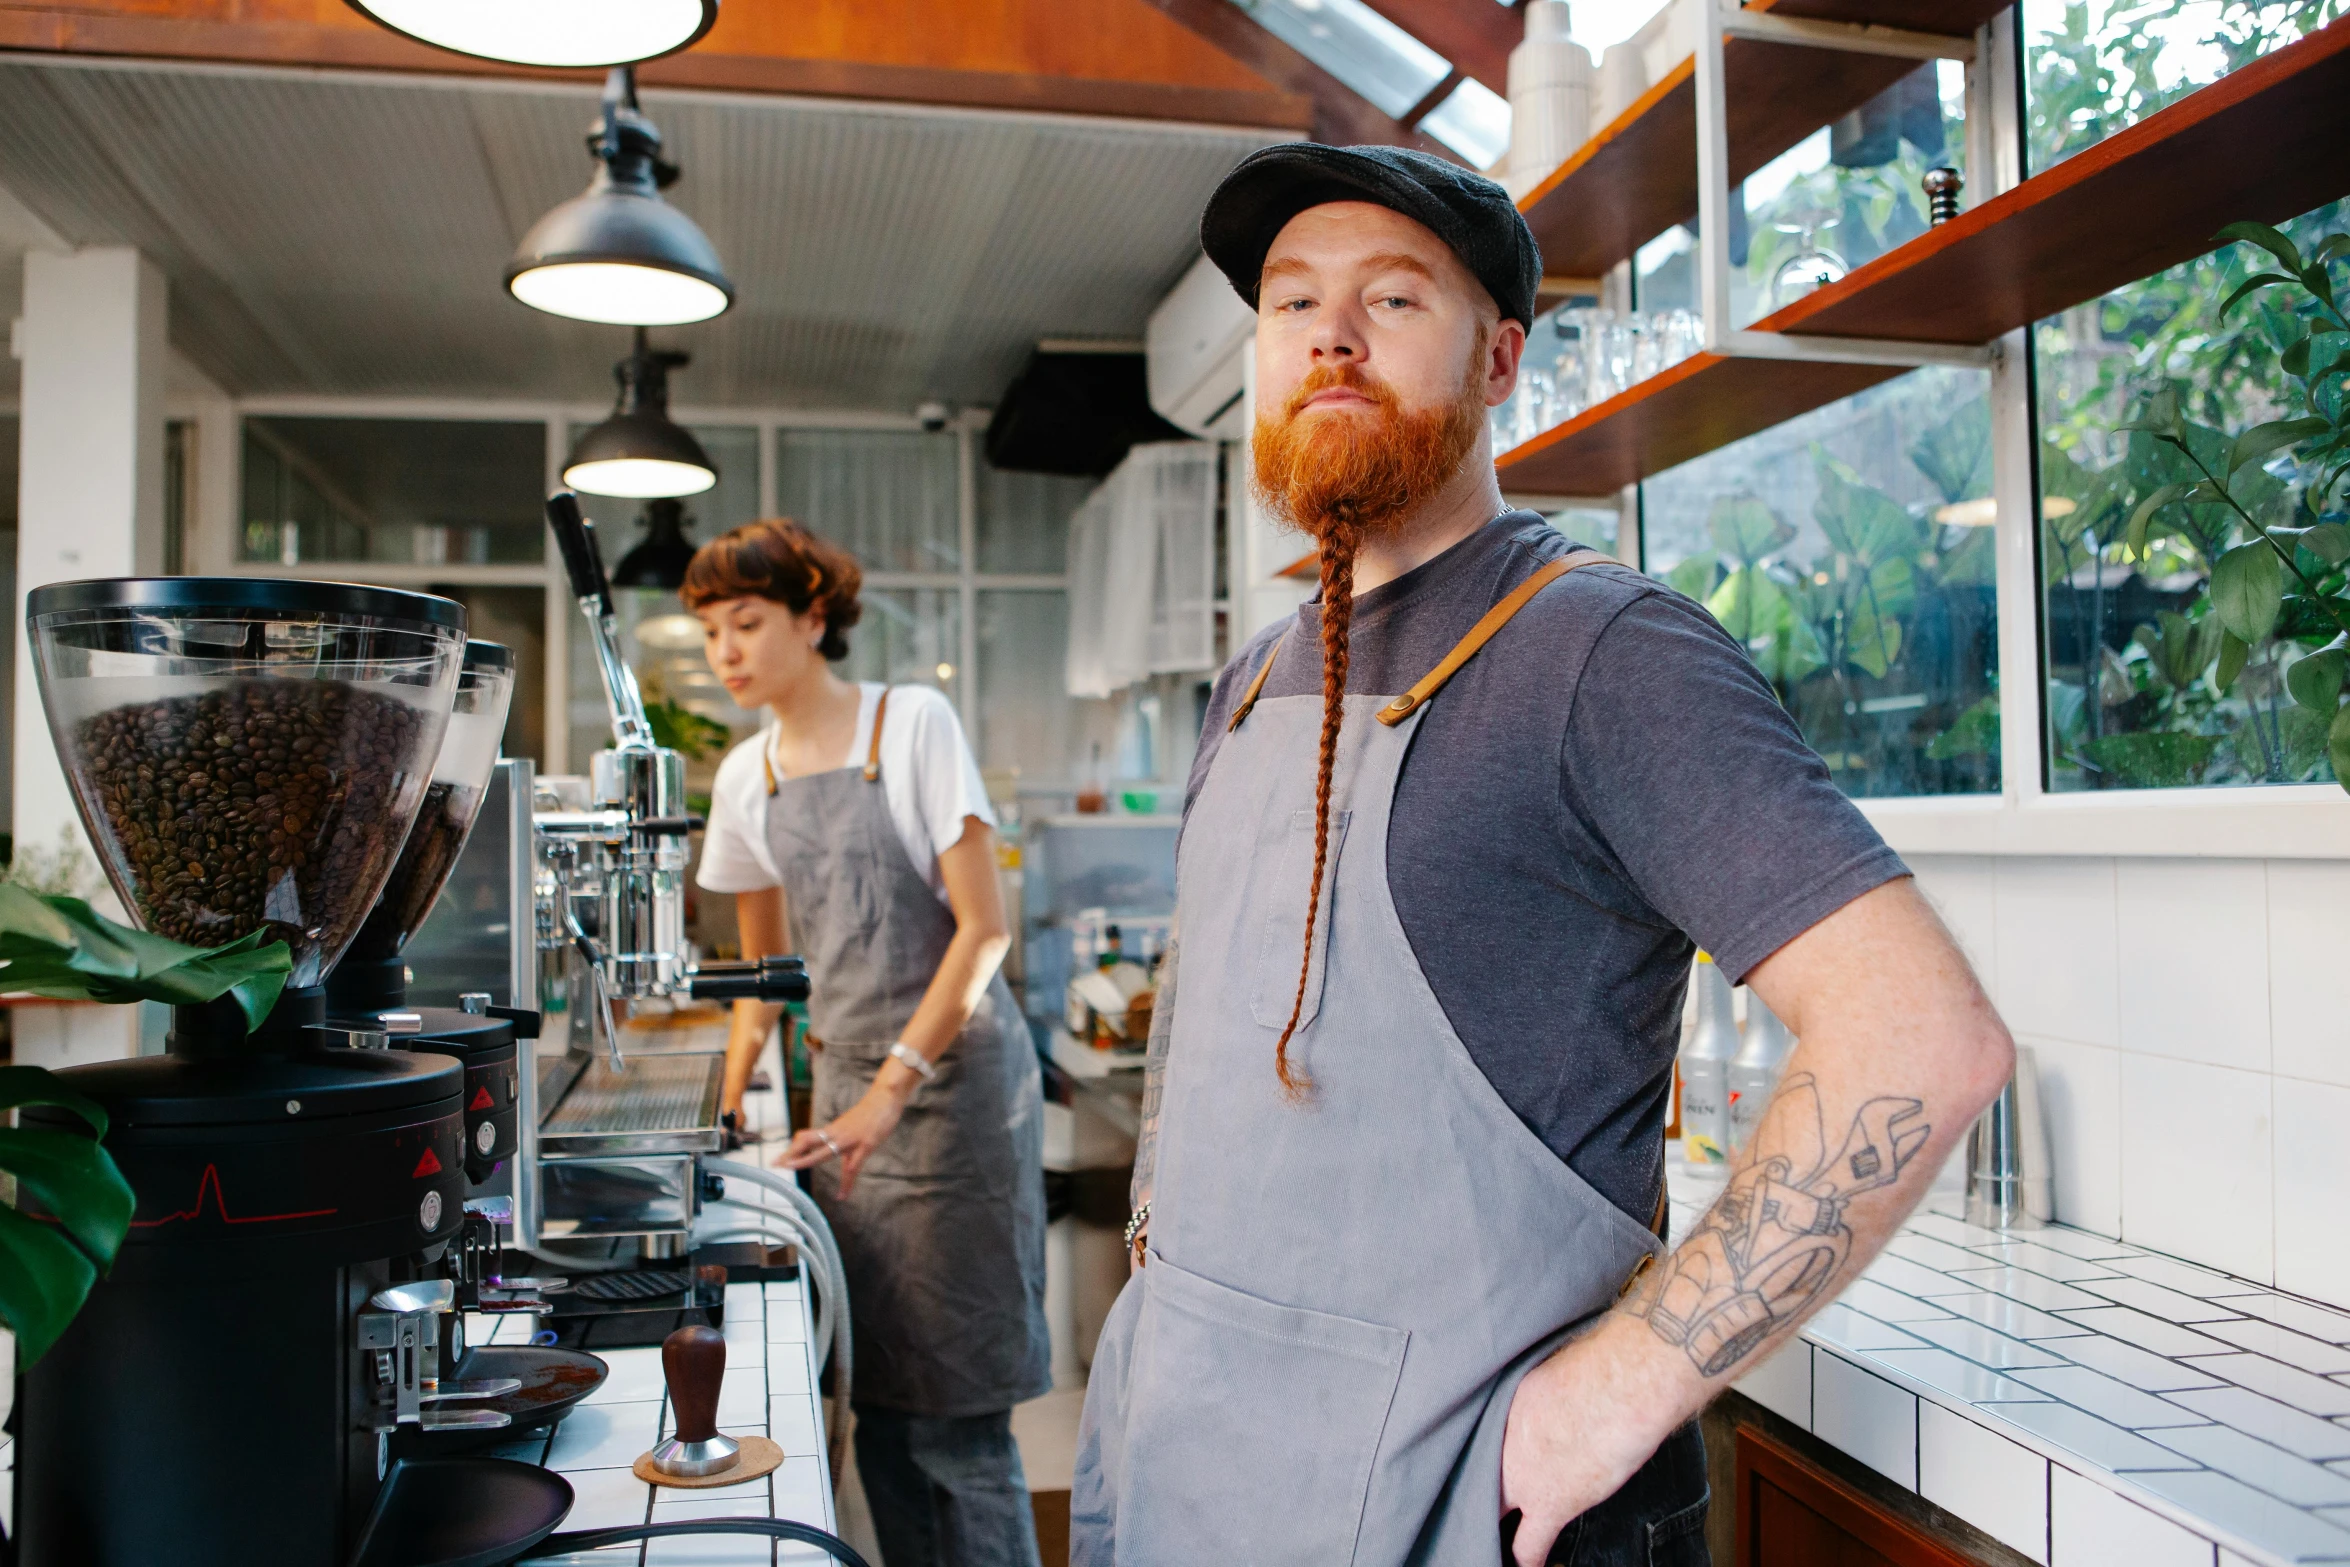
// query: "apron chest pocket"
[[1253, 1427], [1283, 942]]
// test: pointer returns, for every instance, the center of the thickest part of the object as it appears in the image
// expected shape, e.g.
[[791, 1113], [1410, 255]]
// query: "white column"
[[90, 491]]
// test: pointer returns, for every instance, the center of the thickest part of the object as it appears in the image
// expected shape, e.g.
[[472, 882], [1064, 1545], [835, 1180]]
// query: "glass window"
[[1473, 121], [1844, 195], [1026, 719], [909, 635], [1357, 45], [1850, 550], [887, 496], [517, 617], [1024, 519], [2093, 67], [419, 491], [2144, 687]]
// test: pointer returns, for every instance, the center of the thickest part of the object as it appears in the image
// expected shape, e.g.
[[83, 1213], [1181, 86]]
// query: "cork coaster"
[[759, 1457]]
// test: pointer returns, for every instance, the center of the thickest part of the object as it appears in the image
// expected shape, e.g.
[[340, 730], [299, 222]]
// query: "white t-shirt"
[[928, 777]]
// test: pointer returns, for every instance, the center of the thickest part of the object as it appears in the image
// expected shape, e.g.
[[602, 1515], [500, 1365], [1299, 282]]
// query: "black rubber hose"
[[773, 1528]]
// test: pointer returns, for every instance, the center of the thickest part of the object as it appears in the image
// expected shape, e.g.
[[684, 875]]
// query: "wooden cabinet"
[[1793, 1514]]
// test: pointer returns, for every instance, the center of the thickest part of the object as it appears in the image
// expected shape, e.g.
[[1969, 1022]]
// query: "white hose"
[[806, 1223]]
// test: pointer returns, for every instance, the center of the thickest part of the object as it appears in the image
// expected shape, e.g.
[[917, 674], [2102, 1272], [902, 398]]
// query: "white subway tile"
[[1947, 1373], [2308, 931], [2299, 1315], [1782, 1384], [2054, 933], [2313, 1188], [1866, 1416], [2278, 1528], [2101, 1442], [2211, 1006], [2135, 1327], [1996, 1485], [1996, 1350], [2305, 1436], [2081, 1097], [2107, 1399], [2254, 1462], [2127, 1363], [2305, 1391], [2089, 1526], [2197, 1177], [1963, 891], [2157, 1301], [2294, 1349], [2029, 1287]]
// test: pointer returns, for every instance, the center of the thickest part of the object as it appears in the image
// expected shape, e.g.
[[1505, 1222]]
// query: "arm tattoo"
[[1776, 1240], [1154, 1079]]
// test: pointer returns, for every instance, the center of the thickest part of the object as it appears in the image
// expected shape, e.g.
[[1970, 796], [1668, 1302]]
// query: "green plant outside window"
[[1850, 552]]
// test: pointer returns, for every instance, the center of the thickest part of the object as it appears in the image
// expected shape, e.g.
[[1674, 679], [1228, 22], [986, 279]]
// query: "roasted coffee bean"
[[264, 804]]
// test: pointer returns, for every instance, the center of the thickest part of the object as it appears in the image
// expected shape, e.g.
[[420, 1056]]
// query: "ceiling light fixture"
[[661, 556], [559, 33], [640, 452], [619, 253]]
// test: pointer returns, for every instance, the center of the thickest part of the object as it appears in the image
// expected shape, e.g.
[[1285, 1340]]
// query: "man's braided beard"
[[1343, 478]]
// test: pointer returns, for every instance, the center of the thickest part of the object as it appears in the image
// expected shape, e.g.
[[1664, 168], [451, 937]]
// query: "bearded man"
[[1451, 839]]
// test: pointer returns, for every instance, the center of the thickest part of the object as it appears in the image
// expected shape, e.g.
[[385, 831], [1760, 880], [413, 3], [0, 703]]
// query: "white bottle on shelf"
[[1705, 1068], [1551, 88], [1756, 1069]]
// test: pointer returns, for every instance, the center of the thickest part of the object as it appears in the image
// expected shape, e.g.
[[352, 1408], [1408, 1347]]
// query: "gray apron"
[[943, 1239], [1342, 1293]]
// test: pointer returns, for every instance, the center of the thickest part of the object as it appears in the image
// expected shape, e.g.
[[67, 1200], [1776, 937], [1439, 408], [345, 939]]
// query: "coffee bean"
[[263, 804]]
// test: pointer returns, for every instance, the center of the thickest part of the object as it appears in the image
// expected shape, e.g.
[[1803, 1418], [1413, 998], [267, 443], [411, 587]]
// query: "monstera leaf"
[[1744, 529], [49, 1262], [61, 948], [1955, 455]]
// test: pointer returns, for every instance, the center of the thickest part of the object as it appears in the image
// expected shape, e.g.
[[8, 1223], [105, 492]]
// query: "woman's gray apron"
[[1342, 1293], [943, 1238]]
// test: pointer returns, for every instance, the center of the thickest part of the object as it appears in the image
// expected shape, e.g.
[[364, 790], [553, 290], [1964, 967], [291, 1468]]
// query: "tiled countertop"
[[2083, 1400]]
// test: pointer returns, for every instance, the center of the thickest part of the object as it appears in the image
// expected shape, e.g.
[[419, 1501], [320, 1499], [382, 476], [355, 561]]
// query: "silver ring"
[[825, 1138]]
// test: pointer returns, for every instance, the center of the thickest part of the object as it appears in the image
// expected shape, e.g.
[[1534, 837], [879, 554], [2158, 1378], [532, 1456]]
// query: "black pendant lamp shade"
[[558, 33], [620, 253], [640, 451], [661, 556]]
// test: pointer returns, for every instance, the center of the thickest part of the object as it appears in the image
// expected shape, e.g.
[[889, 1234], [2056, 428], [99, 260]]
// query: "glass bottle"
[[1705, 1068], [1756, 1069]]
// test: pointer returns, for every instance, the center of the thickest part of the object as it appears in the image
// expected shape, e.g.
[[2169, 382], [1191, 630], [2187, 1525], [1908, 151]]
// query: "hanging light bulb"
[[618, 252], [562, 33], [640, 452]]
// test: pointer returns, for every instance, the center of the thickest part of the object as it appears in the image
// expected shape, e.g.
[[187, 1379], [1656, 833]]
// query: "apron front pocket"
[[1252, 1428], [1284, 940]]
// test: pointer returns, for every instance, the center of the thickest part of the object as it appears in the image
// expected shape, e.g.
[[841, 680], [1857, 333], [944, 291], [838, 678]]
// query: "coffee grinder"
[[250, 754]]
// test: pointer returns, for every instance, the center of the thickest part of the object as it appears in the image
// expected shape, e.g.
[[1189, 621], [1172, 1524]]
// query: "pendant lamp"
[[661, 556], [640, 452], [559, 33], [618, 252]]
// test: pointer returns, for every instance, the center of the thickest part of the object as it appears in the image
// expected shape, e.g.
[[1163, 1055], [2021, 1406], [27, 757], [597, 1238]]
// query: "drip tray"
[[665, 1102]]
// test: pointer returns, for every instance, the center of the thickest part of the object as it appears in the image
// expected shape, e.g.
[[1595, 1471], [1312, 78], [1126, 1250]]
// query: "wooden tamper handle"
[[693, 1360]]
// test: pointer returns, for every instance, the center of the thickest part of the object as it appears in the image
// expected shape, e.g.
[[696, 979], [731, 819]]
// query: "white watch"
[[922, 1067]]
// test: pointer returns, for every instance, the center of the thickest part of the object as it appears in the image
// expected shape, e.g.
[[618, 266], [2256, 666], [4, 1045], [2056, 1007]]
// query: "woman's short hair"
[[778, 559]]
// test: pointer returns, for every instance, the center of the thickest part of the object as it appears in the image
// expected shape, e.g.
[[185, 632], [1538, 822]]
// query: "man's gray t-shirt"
[[1609, 778]]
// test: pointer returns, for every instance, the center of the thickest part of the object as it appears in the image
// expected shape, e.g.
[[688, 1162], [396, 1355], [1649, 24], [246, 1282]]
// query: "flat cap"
[[1470, 213]]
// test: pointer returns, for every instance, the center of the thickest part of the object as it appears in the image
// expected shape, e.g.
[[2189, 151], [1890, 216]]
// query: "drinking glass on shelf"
[[1646, 343], [1682, 333]]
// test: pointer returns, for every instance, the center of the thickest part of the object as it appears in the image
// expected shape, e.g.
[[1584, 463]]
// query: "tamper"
[[696, 1453]]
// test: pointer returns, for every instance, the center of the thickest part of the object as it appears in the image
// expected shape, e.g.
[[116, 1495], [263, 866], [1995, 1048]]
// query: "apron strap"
[[1255, 686], [1481, 633], [873, 756]]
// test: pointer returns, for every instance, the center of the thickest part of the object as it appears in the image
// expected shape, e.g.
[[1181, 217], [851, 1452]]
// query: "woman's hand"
[[863, 1127]]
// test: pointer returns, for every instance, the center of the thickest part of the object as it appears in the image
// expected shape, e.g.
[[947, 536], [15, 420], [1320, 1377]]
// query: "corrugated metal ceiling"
[[344, 234]]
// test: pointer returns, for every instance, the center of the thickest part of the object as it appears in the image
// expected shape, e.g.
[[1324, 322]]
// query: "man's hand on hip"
[[1583, 1422]]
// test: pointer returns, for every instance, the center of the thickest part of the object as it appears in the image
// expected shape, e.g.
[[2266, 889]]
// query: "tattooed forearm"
[[1154, 1079], [1777, 1240]]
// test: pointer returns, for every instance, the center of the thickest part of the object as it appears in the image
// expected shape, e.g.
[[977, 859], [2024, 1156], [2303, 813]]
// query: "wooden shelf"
[[2264, 142], [1638, 176]]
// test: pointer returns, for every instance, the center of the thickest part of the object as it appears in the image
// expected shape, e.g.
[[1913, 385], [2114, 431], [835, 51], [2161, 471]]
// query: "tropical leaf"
[[2248, 590], [1746, 530], [2143, 517], [1859, 519], [1974, 732], [1695, 577], [61, 948], [2338, 747], [2233, 655], [1955, 455], [2316, 681], [2255, 444], [2178, 648], [2258, 280], [74, 1180], [44, 1278], [2329, 541], [1750, 605], [1872, 641], [2268, 239]]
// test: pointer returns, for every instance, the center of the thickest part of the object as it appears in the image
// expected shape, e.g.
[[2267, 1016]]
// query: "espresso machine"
[[252, 754]]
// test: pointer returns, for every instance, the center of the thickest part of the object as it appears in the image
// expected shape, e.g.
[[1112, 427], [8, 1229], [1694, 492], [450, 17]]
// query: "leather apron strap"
[[1481, 633], [873, 756]]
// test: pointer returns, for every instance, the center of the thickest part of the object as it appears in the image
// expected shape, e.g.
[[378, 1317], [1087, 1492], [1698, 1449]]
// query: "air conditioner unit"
[[1196, 351]]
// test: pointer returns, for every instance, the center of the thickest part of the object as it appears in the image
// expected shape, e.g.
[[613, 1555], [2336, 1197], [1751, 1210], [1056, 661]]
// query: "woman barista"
[[858, 816]]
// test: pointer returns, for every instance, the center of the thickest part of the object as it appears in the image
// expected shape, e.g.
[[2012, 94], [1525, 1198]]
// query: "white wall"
[[2193, 1042]]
